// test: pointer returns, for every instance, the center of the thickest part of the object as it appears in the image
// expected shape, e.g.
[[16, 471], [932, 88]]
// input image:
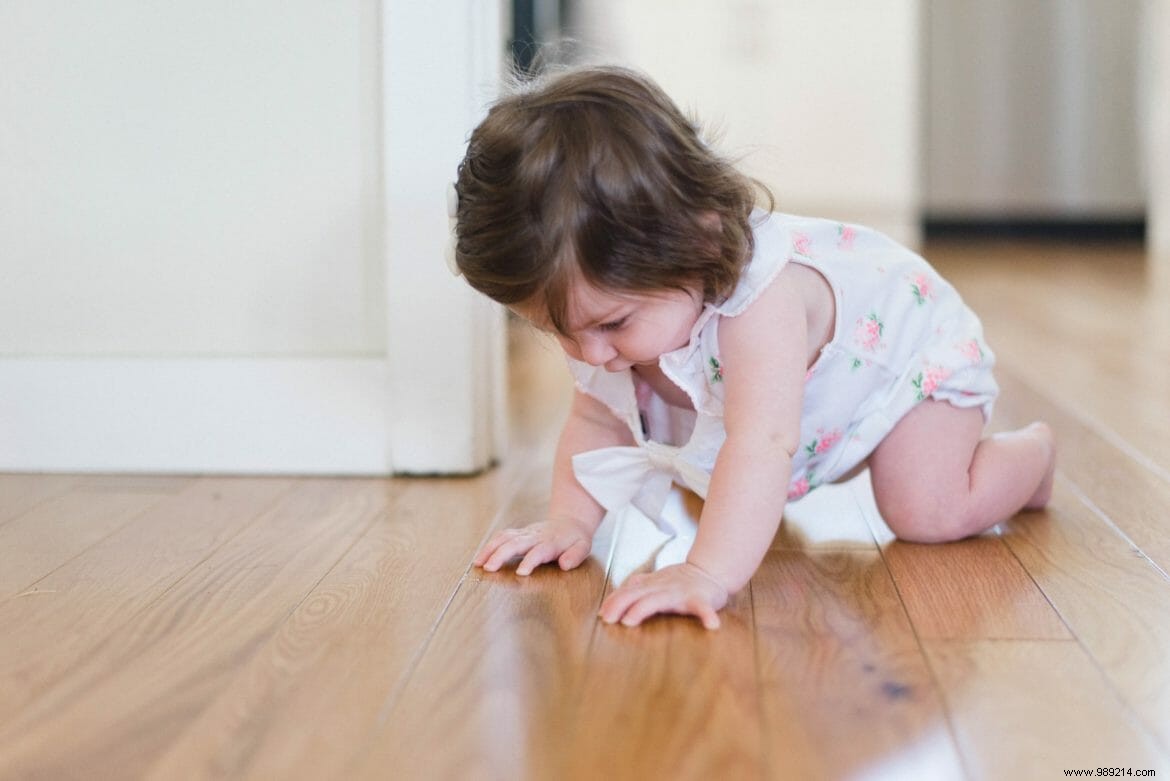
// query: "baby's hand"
[[564, 540], [679, 588]]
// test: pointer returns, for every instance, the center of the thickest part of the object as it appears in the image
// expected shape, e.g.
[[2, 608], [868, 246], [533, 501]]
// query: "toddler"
[[747, 355]]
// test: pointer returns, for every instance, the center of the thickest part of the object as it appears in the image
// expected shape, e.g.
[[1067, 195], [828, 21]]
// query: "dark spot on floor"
[[896, 691]]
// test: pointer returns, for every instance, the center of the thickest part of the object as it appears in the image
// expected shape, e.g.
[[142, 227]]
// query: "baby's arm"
[[573, 515], [764, 354]]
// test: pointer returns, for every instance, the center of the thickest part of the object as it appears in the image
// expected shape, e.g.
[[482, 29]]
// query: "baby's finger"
[[537, 555], [617, 603], [490, 546], [508, 550], [651, 604], [575, 554], [704, 613], [485, 552]]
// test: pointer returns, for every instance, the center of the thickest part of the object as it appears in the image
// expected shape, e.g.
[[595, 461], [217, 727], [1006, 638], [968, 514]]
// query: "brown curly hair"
[[594, 174]]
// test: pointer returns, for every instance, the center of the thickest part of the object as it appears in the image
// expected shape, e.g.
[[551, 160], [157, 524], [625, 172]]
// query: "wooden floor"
[[206, 627]]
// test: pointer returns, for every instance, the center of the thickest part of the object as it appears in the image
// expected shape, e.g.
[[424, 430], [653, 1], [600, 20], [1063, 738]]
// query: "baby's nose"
[[596, 350]]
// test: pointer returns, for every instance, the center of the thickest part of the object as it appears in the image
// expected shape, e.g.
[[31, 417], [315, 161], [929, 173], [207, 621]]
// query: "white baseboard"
[[214, 415]]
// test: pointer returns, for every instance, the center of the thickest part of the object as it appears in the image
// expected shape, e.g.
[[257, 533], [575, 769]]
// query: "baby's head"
[[593, 176]]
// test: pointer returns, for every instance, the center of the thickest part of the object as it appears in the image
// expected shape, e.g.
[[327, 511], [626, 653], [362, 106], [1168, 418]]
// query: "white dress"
[[901, 335]]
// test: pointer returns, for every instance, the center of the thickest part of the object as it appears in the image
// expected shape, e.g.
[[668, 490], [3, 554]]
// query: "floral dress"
[[901, 335]]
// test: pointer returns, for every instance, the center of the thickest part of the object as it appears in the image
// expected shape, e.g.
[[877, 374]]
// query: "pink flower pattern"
[[799, 489], [972, 351], [869, 333], [927, 382], [845, 237], [801, 242], [922, 287], [823, 442]]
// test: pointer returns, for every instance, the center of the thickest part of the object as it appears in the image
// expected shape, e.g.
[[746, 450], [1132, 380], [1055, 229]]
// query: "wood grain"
[[669, 684], [1033, 709], [346, 648], [1112, 598], [52, 532], [20, 493], [670, 699], [974, 588], [133, 695], [843, 683], [87, 600], [1133, 496], [489, 696]]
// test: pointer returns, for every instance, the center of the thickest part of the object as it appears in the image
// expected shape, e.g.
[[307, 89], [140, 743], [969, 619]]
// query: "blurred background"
[[222, 225], [944, 117]]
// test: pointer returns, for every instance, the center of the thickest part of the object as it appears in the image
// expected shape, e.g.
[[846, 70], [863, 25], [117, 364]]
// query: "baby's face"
[[620, 330]]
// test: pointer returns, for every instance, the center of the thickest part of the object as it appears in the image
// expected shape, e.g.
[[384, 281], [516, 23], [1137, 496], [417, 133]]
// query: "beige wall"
[[821, 98], [190, 178]]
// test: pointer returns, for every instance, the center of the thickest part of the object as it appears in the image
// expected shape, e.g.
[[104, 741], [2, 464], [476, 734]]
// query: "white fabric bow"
[[620, 476]]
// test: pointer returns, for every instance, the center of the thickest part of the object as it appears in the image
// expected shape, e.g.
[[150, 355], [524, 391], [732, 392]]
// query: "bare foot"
[[1044, 491]]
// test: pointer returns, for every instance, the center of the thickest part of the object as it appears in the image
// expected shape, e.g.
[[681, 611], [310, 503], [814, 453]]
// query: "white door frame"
[[1155, 87], [445, 342]]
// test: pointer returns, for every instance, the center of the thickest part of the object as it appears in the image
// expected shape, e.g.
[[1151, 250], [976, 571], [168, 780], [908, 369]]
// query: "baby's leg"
[[936, 479]]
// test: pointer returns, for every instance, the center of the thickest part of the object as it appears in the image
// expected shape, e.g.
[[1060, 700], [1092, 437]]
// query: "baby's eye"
[[612, 325]]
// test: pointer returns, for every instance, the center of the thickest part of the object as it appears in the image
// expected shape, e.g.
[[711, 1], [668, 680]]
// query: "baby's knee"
[[926, 520]]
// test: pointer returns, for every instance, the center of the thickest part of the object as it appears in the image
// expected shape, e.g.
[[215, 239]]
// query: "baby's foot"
[[1044, 491]]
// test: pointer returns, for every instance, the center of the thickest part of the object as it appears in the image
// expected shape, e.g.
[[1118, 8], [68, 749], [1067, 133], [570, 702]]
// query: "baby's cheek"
[[570, 347]]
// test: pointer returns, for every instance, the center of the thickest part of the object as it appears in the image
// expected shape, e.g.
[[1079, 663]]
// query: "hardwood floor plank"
[[490, 696], [974, 588], [1133, 497], [1033, 709], [971, 589], [131, 697], [76, 607], [346, 648], [845, 690], [21, 493], [164, 484], [51, 533], [1115, 602], [687, 693]]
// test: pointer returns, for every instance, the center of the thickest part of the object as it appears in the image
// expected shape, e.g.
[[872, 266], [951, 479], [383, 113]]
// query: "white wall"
[[822, 97], [190, 178], [221, 237]]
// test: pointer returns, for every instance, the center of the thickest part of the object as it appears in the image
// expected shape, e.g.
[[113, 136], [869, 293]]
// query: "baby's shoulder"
[[789, 293], [795, 313], [810, 285]]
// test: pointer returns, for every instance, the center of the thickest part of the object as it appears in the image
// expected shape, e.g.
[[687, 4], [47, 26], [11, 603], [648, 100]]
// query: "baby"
[[746, 355]]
